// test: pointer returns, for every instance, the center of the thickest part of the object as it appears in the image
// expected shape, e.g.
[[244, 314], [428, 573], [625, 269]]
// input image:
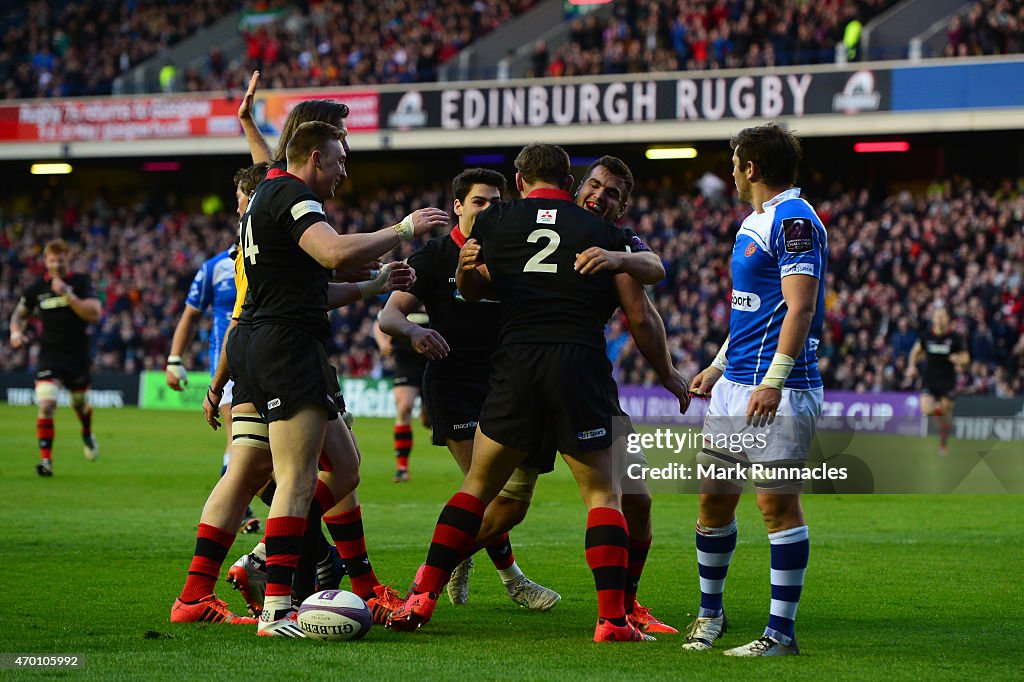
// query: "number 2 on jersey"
[[249, 248], [536, 263]]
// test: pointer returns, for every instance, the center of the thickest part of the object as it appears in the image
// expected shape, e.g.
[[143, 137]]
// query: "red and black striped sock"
[[638, 550], [212, 545], [500, 552], [347, 531], [607, 555], [454, 539], [403, 444], [85, 417], [284, 546], [44, 432]]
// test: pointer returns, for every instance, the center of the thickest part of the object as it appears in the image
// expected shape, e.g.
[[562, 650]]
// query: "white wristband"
[[374, 287], [778, 372], [720, 360], [173, 359], [405, 229]]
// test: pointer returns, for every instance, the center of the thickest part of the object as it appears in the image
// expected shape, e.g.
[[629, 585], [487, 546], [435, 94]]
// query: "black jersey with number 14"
[[287, 285], [530, 247]]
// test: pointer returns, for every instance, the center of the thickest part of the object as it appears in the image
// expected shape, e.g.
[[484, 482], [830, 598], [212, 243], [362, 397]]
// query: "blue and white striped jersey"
[[214, 286], [787, 239]]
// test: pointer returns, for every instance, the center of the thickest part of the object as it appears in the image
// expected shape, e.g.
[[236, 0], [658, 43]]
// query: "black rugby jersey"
[[287, 285], [471, 329], [63, 331], [530, 246], [938, 366]]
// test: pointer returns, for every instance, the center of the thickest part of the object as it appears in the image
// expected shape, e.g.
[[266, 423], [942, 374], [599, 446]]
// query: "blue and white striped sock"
[[790, 550], [714, 552]]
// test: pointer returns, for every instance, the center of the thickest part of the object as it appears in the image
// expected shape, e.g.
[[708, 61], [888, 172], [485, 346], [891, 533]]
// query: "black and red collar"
[[279, 173], [549, 193], [458, 237]]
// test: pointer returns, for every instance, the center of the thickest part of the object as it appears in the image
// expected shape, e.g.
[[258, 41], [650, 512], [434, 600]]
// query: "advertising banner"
[[154, 393], [108, 390]]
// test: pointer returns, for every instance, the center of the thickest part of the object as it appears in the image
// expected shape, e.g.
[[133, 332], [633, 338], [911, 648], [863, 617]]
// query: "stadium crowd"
[[684, 35], [72, 49], [989, 27], [890, 260]]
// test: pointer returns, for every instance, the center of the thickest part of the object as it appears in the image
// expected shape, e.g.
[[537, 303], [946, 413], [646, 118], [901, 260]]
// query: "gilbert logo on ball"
[[334, 615]]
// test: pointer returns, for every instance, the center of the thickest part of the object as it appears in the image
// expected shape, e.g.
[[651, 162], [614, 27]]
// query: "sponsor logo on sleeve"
[[799, 235], [751, 250], [745, 301], [303, 207], [592, 433], [546, 216], [798, 269]]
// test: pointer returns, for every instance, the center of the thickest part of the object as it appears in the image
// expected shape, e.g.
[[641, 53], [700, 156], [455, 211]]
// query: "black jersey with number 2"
[[530, 247], [288, 286], [63, 330]]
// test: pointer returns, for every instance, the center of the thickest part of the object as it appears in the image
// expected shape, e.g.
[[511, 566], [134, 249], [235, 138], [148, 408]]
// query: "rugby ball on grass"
[[335, 616]]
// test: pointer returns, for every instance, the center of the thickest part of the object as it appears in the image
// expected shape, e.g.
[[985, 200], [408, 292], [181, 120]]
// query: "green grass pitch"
[[905, 587]]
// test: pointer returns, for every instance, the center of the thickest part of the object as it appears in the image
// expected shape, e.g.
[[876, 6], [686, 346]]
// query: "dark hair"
[[774, 150], [324, 110], [539, 162], [618, 168], [246, 179], [465, 180], [58, 246], [310, 136]]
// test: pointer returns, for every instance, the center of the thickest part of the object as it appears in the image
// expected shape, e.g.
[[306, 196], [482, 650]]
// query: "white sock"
[[509, 574], [275, 605], [260, 550]]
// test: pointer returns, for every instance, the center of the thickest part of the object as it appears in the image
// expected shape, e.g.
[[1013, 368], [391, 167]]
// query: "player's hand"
[[358, 274], [596, 259], [678, 386], [469, 255], [400, 277], [211, 410], [58, 286], [177, 377], [18, 339], [384, 343], [430, 343], [425, 220], [701, 385], [763, 405], [245, 108]]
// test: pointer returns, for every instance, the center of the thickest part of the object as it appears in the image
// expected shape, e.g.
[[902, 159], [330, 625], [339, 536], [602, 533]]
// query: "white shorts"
[[788, 438], [225, 398]]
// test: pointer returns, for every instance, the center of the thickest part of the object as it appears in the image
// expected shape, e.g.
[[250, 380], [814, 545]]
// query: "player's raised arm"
[[648, 331], [394, 321], [88, 307], [258, 146], [644, 266]]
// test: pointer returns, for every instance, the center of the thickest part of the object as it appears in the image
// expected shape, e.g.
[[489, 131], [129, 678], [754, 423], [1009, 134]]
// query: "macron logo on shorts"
[[592, 433], [276, 402], [546, 216], [745, 301]]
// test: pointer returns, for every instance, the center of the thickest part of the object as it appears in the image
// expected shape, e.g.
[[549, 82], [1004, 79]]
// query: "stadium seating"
[[989, 27], [889, 260], [69, 49]]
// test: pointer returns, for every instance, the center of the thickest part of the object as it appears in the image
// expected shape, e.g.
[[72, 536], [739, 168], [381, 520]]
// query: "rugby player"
[[943, 351], [765, 374], [67, 305]]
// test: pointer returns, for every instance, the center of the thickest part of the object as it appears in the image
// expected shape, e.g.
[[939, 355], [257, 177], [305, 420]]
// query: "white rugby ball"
[[334, 615]]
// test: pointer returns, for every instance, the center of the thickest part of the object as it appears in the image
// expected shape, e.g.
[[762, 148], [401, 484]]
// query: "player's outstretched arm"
[[644, 266], [258, 146], [177, 377], [395, 276], [648, 331], [333, 250], [394, 321]]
